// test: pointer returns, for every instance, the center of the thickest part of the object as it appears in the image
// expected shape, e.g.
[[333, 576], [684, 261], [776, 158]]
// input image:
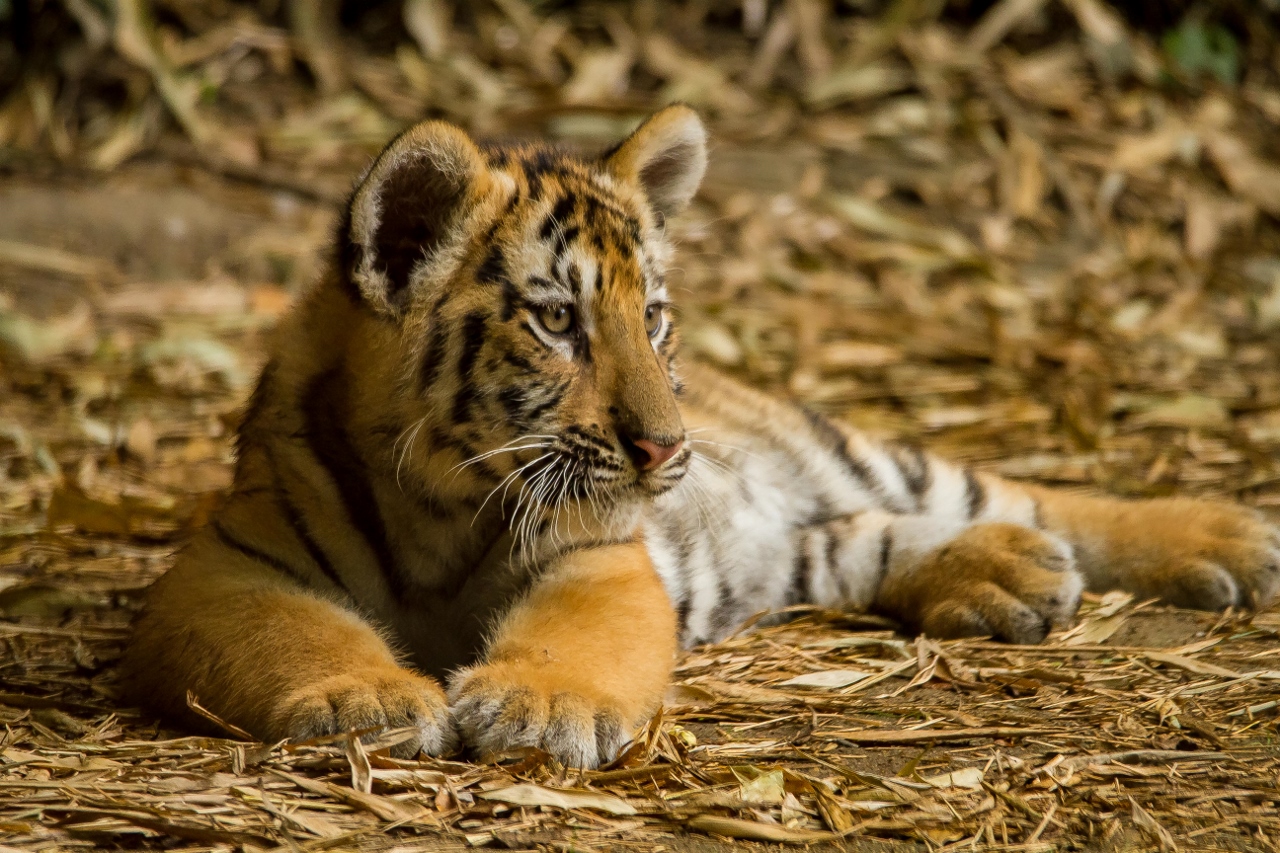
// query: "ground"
[[984, 244]]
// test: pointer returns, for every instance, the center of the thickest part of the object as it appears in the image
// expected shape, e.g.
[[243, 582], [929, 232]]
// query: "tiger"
[[480, 500]]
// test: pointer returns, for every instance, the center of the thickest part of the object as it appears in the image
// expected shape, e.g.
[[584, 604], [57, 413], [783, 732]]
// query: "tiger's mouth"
[[589, 473]]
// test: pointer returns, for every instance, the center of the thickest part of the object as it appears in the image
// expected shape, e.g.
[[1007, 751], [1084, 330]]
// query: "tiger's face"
[[525, 322]]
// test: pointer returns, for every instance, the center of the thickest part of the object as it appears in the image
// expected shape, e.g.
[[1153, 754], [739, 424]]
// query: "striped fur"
[[448, 513]]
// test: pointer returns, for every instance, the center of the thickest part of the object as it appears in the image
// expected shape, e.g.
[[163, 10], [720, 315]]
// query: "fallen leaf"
[[731, 827], [765, 789], [831, 679], [1094, 631], [969, 777], [1187, 410], [1191, 664], [536, 795]]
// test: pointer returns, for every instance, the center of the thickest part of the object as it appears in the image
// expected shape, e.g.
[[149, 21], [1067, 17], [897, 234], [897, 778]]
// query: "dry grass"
[[1032, 242]]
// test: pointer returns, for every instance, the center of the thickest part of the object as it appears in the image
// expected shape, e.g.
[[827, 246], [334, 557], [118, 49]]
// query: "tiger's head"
[[523, 330]]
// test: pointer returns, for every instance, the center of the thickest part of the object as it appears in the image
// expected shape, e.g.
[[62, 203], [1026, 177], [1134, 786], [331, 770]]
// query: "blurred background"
[[1037, 235]]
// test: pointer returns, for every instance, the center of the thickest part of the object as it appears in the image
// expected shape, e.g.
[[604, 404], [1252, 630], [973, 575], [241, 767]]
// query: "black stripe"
[[722, 615], [800, 572], [519, 362], [493, 269], [556, 219], [553, 399], [533, 178], [432, 358], [299, 527], [226, 538], [474, 328], [682, 614], [589, 437], [913, 465], [574, 275], [975, 494], [886, 546], [323, 406], [838, 442], [511, 299], [512, 400], [433, 353], [833, 545], [528, 328]]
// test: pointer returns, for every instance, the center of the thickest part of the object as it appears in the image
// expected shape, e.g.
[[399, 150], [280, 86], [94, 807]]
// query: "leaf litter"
[[1039, 239]]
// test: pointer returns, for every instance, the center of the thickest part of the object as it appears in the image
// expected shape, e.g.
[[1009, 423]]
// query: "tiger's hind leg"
[[1202, 554], [943, 578]]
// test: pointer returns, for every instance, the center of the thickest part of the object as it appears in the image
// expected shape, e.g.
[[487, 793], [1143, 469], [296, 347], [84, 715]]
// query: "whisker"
[[506, 481], [408, 447], [726, 446], [723, 467], [506, 448]]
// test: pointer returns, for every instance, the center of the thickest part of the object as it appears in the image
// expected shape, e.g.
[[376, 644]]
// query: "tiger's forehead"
[[566, 231]]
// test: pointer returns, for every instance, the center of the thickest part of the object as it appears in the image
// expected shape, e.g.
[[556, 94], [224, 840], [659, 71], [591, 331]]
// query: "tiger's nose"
[[647, 455]]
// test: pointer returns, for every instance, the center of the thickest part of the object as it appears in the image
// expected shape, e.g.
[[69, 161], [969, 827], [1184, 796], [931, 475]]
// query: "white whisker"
[[530, 444], [412, 431]]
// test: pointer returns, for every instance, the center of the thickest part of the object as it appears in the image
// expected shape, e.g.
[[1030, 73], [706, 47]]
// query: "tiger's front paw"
[[505, 706], [374, 699], [1001, 580], [1198, 554]]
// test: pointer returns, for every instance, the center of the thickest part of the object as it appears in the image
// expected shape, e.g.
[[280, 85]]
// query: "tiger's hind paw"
[[1210, 556]]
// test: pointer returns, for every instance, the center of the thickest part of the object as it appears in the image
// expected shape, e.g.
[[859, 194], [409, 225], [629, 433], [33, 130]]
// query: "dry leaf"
[[754, 831], [830, 679], [536, 795]]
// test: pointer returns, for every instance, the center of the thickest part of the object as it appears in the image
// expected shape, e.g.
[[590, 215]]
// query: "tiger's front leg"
[[575, 666], [268, 656]]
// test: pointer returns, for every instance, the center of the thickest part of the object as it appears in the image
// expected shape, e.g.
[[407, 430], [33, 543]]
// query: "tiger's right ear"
[[404, 215]]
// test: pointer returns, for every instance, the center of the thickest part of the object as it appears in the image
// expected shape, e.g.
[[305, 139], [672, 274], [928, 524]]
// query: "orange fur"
[[591, 647], [270, 657], [1192, 553]]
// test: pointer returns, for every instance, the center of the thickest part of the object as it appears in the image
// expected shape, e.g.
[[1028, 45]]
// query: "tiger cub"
[[478, 496]]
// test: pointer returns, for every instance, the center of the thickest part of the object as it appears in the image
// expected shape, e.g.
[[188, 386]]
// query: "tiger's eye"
[[653, 319], [556, 319]]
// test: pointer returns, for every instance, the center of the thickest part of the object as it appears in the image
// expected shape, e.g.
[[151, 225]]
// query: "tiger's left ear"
[[666, 155]]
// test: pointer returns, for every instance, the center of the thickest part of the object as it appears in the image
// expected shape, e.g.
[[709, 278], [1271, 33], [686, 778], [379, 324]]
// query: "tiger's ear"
[[666, 155], [404, 215]]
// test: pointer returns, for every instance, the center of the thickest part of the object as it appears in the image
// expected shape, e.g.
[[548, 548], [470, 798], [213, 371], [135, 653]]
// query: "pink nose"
[[648, 455]]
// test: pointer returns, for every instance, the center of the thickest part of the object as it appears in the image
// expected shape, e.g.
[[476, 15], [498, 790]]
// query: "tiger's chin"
[[652, 487]]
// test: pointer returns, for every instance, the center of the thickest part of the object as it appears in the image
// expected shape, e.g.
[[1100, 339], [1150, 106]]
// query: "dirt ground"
[[1011, 259]]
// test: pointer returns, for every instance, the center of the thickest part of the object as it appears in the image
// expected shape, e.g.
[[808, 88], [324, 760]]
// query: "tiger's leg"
[[943, 577], [577, 664], [1201, 554], [1010, 560], [261, 652]]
